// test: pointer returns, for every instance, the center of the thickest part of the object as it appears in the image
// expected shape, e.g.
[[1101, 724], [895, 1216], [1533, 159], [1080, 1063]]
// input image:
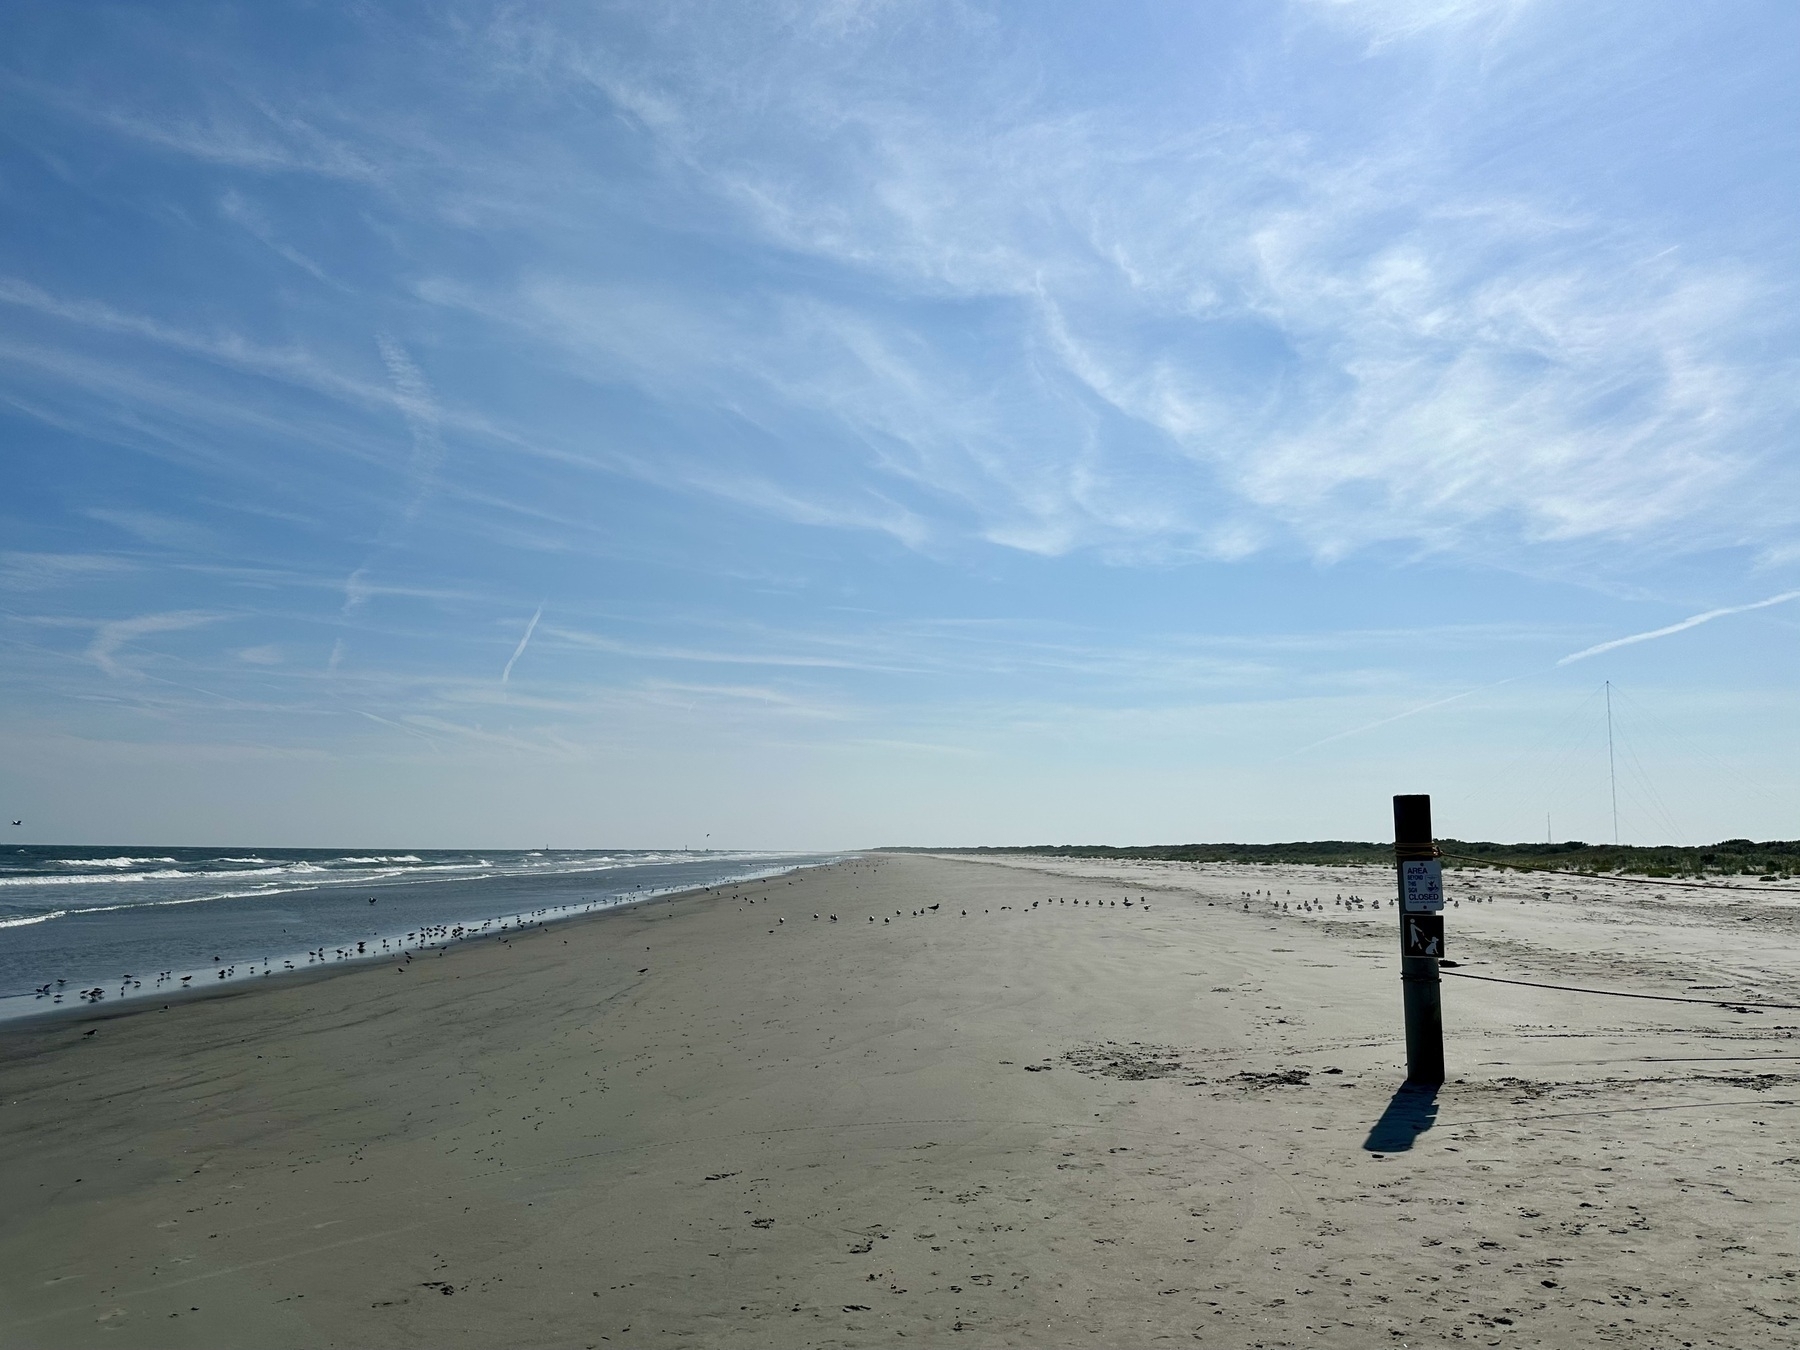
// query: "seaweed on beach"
[[1133, 1062], [1273, 1079]]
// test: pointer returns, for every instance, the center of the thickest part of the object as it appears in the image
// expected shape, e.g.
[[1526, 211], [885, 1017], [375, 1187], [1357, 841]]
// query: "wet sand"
[[1080, 1124]]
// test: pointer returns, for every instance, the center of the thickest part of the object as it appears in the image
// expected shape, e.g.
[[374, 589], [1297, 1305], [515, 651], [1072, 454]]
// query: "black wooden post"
[[1419, 886]]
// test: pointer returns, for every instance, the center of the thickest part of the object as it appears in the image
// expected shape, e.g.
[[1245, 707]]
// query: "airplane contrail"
[[1400, 716], [419, 407], [1693, 622], [519, 651]]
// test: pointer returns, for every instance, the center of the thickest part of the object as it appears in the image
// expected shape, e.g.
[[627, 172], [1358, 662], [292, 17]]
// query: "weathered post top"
[[1412, 826]]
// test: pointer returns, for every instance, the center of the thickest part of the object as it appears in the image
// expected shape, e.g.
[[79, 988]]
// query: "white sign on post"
[[1422, 886]]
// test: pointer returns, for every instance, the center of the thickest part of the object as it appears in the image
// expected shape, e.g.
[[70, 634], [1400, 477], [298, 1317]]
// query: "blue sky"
[[845, 423]]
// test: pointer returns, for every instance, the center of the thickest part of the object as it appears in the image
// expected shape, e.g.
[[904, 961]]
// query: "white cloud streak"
[[1693, 621], [241, 211], [1668, 630], [111, 638], [511, 661], [1402, 716], [423, 421], [48, 571], [245, 132]]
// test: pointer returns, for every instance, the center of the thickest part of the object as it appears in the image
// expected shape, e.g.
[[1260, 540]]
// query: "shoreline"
[[249, 986], [138, 1000]]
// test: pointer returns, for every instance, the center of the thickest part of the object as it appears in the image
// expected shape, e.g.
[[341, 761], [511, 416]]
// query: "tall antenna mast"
[[1612, 772]]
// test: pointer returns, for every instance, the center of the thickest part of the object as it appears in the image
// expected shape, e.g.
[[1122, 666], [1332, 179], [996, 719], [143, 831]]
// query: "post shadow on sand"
[[1411, 1112]]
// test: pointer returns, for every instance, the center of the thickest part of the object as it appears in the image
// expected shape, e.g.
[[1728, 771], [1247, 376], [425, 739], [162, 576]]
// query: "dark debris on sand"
[[1134, 1061]]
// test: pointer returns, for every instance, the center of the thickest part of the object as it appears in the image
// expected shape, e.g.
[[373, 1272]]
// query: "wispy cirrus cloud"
[[1200, 336], [1145, 324], [1387, 21], [236, 207], [223, 125], [21, 571], [110, 639], [155, 528]]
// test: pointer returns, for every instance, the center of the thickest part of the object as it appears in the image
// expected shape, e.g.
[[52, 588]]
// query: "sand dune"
[[983, 1123]]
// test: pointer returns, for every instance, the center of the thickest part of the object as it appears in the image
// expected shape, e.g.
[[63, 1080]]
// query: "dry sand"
[[1080, 1124]]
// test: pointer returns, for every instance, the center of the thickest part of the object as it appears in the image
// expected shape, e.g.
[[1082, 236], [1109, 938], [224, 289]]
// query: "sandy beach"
[[990, 1103]]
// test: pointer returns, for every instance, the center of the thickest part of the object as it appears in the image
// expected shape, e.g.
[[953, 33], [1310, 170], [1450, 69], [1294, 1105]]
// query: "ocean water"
[[97, 925]]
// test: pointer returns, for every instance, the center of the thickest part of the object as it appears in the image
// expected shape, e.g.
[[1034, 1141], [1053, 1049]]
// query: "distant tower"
[[1612, 771]]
